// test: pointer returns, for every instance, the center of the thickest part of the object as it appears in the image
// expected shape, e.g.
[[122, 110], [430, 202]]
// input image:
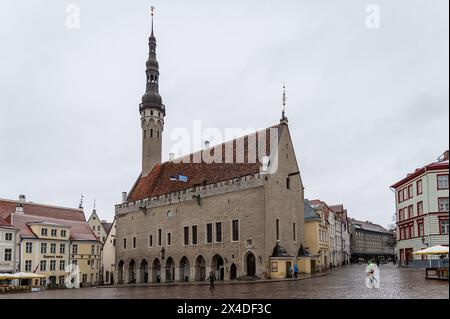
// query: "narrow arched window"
[[157, 134], [145, 133], [151, 133]]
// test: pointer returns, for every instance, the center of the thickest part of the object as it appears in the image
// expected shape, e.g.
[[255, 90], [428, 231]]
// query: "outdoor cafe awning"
[[435, 250], [20, 275]]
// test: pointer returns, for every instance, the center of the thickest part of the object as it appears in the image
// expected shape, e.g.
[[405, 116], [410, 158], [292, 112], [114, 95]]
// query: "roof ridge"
[[51, 218], [43, 205]]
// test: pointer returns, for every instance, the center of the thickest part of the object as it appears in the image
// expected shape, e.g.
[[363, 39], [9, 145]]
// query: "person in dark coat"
[[211, 279]]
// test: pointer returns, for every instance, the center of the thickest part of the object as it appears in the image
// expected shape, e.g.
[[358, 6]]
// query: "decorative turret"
[[152, 110]]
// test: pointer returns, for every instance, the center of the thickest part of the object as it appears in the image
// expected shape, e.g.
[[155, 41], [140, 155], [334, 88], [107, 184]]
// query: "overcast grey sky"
[[365, 106]]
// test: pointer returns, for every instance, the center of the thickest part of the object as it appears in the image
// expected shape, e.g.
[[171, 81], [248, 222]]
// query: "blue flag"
[[182, 178]]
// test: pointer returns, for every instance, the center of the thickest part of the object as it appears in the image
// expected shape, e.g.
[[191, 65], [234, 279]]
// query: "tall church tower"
[[152, 112]]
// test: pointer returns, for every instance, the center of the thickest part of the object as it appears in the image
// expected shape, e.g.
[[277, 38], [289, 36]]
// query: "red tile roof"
[[69, 217], [79, 230], [7, 207], [158, 182]]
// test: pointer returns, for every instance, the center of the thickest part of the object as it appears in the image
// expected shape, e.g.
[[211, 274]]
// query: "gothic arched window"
[[145, 133], [151, 133]]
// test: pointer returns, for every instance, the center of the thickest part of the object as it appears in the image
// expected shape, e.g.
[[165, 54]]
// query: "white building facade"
[[8, 242], [422, 209], [109, 256]]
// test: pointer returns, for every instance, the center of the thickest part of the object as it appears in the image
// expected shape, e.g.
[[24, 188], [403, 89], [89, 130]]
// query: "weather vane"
[[81, 202], [283, 99]]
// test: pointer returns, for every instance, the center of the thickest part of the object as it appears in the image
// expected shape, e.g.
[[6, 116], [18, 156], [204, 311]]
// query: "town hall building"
[[239, 216]]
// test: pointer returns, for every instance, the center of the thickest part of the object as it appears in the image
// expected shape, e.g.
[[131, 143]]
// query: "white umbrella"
[[435, 250]]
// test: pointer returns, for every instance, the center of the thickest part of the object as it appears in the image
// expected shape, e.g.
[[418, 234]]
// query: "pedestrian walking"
[[378, 262], [295, 270], [211, 279]]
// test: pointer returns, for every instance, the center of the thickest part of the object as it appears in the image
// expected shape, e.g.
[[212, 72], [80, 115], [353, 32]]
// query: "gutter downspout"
[[396, 220]]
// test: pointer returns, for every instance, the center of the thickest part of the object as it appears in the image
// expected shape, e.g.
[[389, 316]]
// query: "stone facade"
[[261, 203], [371, 241]]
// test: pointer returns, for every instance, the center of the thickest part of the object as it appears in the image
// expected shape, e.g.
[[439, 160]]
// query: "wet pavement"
[[343, 282]]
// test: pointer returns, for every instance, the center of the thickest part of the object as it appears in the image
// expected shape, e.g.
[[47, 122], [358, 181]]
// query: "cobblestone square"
[[345, 282]]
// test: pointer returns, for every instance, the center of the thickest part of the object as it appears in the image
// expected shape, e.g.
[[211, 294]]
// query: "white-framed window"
[[54, 232], [444, 226], [52, 265], [443, 204], [52, 248], [43, 248], [43, 265], [75, 249], [62, 265], [44, 232], [442, 181], [62, 248], [28, 247], [8, 237], [7, 254], [28, 265]]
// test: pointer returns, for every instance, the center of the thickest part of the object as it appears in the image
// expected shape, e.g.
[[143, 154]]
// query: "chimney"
[[124, 197], [171, 157], [20, 203]]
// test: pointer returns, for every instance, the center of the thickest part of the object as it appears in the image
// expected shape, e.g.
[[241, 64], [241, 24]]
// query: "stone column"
[[163, 274], [177, 272]]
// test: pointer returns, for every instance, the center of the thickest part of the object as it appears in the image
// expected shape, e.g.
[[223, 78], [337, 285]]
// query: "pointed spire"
[[152, 98], [284, 99], [94, 210]]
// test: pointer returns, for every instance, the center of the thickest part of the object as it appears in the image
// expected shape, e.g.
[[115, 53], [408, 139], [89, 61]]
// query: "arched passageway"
[[184, 269], [170, 269], [156, 270], [143, 271], [217, 267], [200, 268], [132, 272], [250, 264]]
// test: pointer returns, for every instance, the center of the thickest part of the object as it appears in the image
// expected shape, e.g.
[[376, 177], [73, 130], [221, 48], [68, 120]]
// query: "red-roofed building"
[[50, 238], [422, 208], [235, 209]]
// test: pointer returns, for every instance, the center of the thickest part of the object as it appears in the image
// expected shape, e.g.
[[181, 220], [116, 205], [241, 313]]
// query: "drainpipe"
[[428, 213], [398, 217]]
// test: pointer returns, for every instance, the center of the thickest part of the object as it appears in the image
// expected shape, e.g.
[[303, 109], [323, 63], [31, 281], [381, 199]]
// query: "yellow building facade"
[[52, 240], [317, 237]]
